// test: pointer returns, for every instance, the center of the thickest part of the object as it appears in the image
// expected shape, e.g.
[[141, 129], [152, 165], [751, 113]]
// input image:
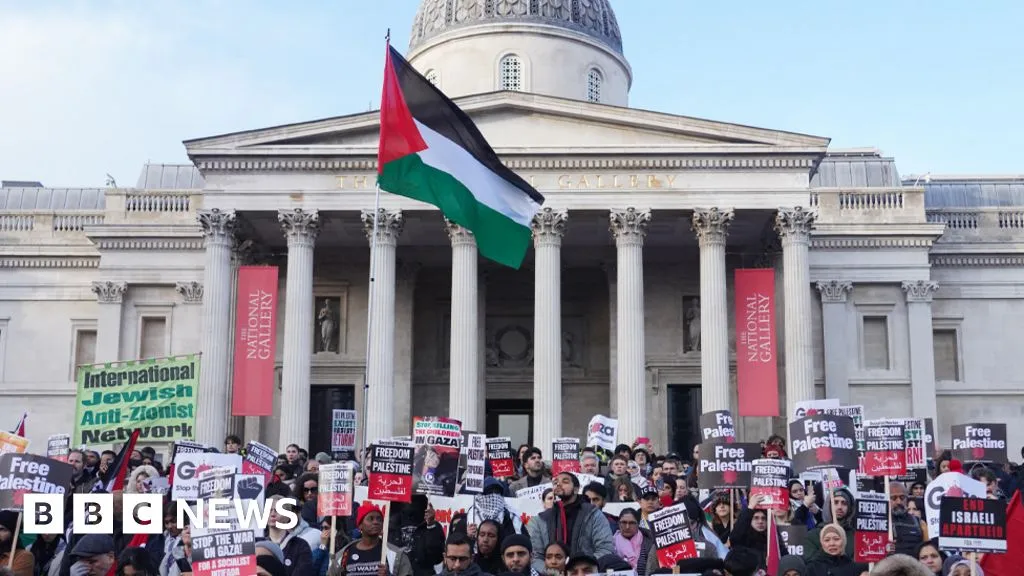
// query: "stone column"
[[629, 227], [301, 228], [548, 228], [192, 296], [464, 367], [712, 228], [794, 227], [835, 333], [380, 354], [922, 352], [214, 377], [110, 295]]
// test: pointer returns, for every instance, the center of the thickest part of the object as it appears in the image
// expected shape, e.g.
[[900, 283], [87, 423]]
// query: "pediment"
[[519, 122]]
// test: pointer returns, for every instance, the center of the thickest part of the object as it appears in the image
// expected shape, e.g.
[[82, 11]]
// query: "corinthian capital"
[[629, 225], [548, 225], [920, 290], [300, 226], [457, 234], [218, 225], [191, 292], [834, 290], [108, 292], [794, 224], [390, 224], [711, 225]]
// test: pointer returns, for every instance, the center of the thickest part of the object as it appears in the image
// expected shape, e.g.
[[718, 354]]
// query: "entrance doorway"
[[512, 418], [323, 400], [684, 406]]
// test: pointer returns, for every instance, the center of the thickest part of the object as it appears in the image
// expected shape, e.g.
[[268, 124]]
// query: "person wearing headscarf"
[[844, 505], [792, 565], [751, 530], [960, 566], [931, 556], [833, 560]]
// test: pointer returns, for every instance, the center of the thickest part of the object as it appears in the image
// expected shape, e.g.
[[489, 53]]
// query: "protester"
[[805, 507], [535, 473], [573, 522], [488, 555], [960, 566], [555, 556], [581, 564], [93, 555], [517, 551], [23, 563], [833, 559], [548, 498], [363, 556], [844, 507], [180, 561], [597, 495], [931, 556], [270, 566], [632, 543], [909, 530], [46, 552], [751, 530], [900, 565], [428, 545], [135, 562], [650, 502], [589, 464], [722, 516], [792, 565], [298, 555], [458, 558]]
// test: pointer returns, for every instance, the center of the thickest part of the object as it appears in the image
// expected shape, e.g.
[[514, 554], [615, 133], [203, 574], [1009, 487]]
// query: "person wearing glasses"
[[458, 557], [632, 543]]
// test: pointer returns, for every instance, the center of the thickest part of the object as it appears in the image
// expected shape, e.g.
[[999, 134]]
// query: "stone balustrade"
[[47, 223], [129, 206], [904, 205], [1005, 224]]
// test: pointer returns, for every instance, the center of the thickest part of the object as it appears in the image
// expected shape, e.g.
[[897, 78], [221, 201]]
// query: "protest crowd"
[[463, 504]]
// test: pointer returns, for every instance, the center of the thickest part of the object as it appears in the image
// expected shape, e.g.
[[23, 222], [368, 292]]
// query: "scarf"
[[629, 548], [490, 507]]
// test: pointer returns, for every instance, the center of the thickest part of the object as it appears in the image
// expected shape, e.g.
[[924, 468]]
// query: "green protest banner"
[[157, 396]]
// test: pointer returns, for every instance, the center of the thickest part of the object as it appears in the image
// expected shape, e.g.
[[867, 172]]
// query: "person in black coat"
[[751, 531], [427, 545], [833, 561]]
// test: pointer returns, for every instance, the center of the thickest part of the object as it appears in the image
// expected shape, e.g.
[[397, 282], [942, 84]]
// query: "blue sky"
[[88, 88]]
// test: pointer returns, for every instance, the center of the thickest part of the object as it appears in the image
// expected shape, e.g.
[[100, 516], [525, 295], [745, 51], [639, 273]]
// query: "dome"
[[593, 18]]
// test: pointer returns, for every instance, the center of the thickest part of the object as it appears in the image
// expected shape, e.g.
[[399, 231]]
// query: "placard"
[[794, 537], [726, 465], [972, 525], [885, 448], [718, 426], [948, 485], [980, 443], [769, 479], [58, 447], [12, 443], [224, 554], [438, 442], [216, 483], [602, 432], [822, 441], [188, 465], [259, 459], [533, 492], [499, 453], [30, 473], [476, 460], [343, 431], [871, 528], [334, 490], [391, 474], [672, 536], [565, 455]]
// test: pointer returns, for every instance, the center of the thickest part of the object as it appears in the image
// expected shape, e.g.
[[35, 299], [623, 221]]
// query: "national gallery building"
[[898, 293]]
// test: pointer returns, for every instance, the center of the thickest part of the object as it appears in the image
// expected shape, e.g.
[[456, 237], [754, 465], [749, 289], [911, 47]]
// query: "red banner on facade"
[[252, 391], [757, 377]]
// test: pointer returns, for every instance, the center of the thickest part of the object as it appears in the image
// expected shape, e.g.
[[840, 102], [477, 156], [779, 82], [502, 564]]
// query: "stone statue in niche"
[[570, 358], [327, 336], [691, 324]]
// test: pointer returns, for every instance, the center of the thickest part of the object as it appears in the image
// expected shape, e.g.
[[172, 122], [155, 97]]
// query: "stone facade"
[[899, 295]]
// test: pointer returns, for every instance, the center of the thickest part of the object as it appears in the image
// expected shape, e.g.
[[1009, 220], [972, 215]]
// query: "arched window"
[[594, 81], [511, 73], [431, 76]]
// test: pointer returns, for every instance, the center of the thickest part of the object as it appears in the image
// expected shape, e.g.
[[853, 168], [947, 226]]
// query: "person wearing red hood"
[[775, 447]]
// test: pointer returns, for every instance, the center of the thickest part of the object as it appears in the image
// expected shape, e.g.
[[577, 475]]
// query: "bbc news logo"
[[144, 513]]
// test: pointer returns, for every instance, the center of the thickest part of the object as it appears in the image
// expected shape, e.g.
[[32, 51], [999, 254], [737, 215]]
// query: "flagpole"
[[369, 297]]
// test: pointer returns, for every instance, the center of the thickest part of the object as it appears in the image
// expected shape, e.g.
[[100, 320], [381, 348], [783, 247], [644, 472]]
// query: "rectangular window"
[[153, 340], [876, 342], [947, 360], [85, 346]]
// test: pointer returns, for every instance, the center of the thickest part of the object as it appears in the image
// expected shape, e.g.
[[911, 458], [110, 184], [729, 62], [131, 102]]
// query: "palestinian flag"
[[431, 151]]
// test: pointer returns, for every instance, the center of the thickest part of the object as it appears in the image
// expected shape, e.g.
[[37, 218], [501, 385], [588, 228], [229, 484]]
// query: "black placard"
[[724, 465], [980, 443], [718, 426], [793, 537], [972, 524], [822, 441], [22, 474]]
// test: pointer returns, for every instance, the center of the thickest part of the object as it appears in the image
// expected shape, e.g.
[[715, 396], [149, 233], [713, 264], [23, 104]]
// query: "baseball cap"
[[93, 545], [581, 559], [648, 491]]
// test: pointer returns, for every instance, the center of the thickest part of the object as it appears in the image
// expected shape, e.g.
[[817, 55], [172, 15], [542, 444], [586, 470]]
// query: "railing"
[[76, 222], [158, 201], [868, 205], [17, 222], [979, 224]]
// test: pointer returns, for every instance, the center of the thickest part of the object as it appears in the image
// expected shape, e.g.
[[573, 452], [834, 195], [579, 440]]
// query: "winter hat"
[[833, 528], [901, 565], [613, 563], [9, 519], [792, 562], [322, 458], [365, 508], [953, 561], [517, 540], [956, 466], [272, 547]]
